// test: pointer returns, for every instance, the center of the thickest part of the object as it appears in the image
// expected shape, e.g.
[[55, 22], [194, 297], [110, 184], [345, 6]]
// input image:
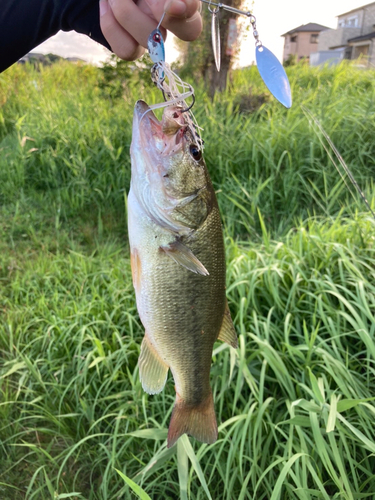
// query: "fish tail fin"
[[199, 421]]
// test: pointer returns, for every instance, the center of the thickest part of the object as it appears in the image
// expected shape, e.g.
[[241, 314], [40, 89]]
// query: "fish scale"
[[192, 309]]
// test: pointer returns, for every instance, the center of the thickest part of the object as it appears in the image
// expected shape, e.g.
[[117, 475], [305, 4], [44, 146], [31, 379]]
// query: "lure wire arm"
[[228, 8], [161, 20], [213, 11]]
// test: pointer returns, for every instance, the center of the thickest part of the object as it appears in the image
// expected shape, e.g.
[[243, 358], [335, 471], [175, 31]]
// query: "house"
[[301, 41], [354, 36]]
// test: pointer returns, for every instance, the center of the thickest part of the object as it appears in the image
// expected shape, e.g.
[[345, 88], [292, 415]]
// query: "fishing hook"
[[191, 105]]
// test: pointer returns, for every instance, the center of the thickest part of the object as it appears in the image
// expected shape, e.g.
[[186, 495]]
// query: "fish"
[[178, 267]]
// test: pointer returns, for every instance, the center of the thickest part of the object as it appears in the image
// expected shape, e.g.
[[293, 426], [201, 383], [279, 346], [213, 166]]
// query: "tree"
[[198, 58]]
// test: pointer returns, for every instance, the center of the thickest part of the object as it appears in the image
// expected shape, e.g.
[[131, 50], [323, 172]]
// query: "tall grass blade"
[[285, 470], [134, 486], [186, 445], [183, 470]]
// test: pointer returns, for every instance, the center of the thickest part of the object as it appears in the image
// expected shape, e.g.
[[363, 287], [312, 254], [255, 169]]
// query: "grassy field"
[[295, 403]]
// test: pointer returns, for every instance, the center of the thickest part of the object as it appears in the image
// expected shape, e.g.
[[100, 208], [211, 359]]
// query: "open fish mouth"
[[166, 135]]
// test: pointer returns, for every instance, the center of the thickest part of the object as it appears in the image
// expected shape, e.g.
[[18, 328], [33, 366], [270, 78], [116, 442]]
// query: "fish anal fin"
[[181, 254], [227, 332], [198, 421], [152, 369]]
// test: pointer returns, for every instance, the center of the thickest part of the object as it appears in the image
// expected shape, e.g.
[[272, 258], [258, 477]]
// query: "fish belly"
[[181, 311]]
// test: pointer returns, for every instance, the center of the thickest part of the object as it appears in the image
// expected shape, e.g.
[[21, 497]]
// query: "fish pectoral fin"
[[152, 369], [227, 332], [181, 254]]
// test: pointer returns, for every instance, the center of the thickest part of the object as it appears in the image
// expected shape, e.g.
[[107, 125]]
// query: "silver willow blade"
[[215, 33]]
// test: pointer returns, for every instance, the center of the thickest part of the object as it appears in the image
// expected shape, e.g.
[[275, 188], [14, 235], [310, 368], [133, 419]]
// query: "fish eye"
[[157, 38], [195, 152]]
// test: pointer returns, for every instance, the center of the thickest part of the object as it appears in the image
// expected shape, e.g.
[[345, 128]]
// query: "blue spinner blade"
[[273, 75], [155, 45]]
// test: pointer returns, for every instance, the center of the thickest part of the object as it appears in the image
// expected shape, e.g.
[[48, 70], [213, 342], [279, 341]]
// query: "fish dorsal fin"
[[227, 332], [181, 254], [152, 369]]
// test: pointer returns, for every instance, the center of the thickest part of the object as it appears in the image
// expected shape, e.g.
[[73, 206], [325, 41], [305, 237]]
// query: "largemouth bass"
[[178, 267]]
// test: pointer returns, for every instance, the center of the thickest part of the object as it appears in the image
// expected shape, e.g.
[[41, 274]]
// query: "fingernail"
[[103, 7], [175, 8]]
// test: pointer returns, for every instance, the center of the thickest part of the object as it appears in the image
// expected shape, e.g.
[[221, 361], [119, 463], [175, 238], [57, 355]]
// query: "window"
[[352, 22], [361, 51], [349, 22], [348, 53], [293, 38], [314, 38]]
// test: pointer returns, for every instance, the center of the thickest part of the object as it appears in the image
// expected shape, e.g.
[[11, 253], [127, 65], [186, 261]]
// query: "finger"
[[182, 17], [121, 42], [184, 9], [138, 24]]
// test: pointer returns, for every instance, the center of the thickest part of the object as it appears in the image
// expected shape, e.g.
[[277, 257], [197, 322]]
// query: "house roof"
[[362, 37], [357, 8], [307, 27]]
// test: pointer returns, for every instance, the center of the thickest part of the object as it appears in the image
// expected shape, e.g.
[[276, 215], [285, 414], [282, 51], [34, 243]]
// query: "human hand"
[[126, 24]]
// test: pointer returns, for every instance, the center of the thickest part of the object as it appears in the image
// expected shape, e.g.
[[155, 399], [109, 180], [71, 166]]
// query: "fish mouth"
[[143, 115], [165, 136], [145, 124]]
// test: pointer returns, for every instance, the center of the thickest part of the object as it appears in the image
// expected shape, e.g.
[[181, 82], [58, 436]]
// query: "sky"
[[274, 18]]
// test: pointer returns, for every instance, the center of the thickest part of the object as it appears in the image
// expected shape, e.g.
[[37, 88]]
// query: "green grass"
[[295, 403]]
